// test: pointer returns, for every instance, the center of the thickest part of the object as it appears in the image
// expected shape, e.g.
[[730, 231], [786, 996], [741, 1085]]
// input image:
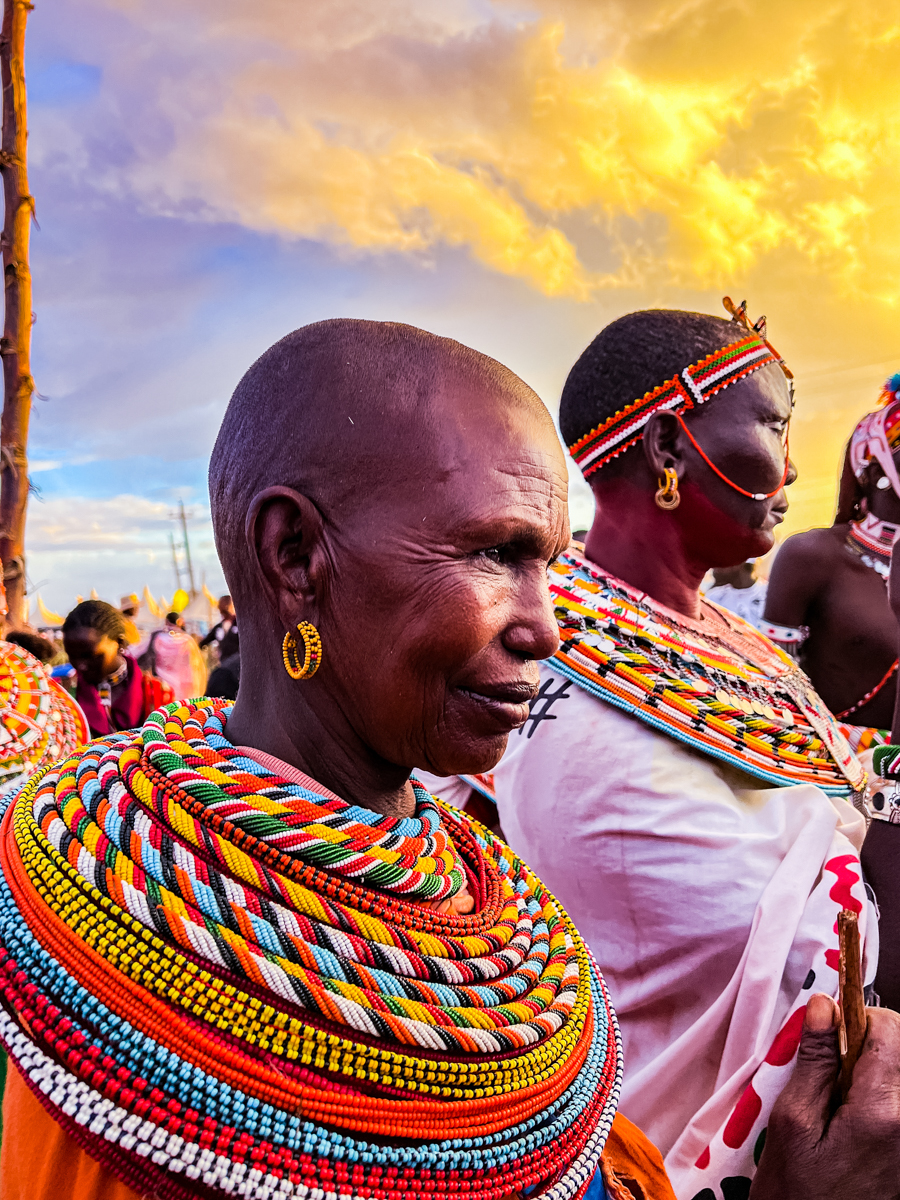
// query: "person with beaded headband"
[[827, 603], [679, 784]]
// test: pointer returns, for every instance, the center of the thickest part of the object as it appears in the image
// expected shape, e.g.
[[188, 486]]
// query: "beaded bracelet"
[[884, 804]]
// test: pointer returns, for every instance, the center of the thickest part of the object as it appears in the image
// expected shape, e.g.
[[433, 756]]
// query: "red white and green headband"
[[692, 386]]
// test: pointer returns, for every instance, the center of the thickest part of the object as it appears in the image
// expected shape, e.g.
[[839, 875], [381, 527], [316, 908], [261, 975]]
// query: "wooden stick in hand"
[[852, 1029]]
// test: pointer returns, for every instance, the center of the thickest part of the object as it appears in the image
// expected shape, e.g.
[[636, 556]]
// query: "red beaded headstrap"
[[690, 387]]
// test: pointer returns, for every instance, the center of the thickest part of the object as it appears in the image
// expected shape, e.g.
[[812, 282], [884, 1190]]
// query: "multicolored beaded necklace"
[[213, 976], [717, 685], [39, 721], [873, 540]]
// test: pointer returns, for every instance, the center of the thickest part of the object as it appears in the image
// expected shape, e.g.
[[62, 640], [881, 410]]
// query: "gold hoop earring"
[[667, 496], [312, 651]]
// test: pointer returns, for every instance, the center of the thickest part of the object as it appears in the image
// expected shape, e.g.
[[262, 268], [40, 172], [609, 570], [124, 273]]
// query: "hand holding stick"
[[852, 1029]]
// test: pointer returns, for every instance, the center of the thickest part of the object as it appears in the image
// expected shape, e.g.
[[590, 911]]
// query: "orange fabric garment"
[[632, 1166], [38, 1159]]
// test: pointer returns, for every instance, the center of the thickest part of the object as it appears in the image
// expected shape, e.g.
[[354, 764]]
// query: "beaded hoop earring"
[[667, 495], [312, 651]]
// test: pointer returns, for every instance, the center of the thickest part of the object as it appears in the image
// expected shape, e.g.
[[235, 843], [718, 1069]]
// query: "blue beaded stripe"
[[135, 1050]]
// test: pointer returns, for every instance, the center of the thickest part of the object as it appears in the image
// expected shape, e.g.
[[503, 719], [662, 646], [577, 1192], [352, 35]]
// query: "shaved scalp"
[[342, 409]]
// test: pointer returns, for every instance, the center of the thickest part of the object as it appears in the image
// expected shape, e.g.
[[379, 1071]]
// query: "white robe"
[[708, 901]]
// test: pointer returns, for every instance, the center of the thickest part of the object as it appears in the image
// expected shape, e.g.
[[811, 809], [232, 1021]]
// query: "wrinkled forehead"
[[481, 455]]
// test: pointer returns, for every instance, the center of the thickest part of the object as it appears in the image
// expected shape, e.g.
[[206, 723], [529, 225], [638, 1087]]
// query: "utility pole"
[[175, 567], [187, 549], [15, 345]]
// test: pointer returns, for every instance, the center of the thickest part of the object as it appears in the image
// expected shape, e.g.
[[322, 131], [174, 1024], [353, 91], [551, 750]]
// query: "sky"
[[208, 177]]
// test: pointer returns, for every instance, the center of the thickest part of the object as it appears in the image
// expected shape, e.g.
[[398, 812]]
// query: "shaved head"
[[403, 495], [343, 409]]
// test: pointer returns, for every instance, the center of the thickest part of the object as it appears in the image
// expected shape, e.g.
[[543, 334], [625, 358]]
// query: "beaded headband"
[[692, 386]]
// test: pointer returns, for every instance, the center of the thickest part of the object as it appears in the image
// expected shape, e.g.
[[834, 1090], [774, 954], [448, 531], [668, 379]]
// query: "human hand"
[[853, 1153]]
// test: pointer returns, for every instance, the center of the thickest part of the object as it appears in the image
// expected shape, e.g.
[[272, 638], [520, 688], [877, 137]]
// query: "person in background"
[[111, 688], [827, 603], [738, 590], [678, 785], [172, 654], [223, 637], [42, 648], [225, 679], [130, 606]]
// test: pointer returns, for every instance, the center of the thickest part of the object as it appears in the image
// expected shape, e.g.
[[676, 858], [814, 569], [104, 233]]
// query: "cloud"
[[210, 176], [76, 544], [696, 139]]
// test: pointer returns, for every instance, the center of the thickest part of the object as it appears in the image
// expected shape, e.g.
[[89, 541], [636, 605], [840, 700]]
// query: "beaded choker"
[[718, 685], [217, 979], [873, 541], [39, 721]]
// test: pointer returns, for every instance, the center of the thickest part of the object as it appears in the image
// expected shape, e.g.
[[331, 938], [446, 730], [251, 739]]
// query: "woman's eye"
[[495, 554]]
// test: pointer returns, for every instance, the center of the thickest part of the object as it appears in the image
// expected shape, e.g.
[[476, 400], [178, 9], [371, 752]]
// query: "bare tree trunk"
[[15, 346]]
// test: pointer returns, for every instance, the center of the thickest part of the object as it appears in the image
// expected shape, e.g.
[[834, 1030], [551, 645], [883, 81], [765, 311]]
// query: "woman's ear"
[[284, 540], [661, 444]]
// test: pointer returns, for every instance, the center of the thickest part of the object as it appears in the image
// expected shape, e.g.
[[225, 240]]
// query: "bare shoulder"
[[803, 566], [814, 548]]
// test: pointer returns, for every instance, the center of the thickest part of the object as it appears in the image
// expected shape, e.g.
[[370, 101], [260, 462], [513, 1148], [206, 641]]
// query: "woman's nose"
[[532, 631]]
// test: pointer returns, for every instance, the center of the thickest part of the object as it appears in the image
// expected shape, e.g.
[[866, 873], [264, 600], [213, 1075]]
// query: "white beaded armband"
[[789, 637], [883, 801]]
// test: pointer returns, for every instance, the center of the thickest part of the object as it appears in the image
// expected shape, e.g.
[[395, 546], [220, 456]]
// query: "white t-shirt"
[[707, 899], [748, 603]]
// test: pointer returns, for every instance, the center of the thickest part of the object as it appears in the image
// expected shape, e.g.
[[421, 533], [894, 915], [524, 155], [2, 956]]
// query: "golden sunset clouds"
[[664, 151]]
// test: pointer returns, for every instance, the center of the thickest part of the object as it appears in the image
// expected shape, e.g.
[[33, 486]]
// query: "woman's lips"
[[508, 703]]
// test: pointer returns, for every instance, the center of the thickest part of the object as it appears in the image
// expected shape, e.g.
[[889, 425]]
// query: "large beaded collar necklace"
[[217, 979], [717, 685], [39, 722]]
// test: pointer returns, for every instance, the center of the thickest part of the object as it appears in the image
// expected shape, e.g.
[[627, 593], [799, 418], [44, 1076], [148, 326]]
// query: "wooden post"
[[15, 345]]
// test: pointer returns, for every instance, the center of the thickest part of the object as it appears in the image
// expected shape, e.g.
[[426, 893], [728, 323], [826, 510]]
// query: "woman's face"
[[743, 432], [94, 655], [440, 609]]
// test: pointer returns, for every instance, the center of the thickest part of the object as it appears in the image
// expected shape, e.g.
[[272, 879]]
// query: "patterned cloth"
[[216, 979]]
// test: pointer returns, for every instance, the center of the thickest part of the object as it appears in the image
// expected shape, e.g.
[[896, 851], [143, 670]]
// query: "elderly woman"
[[678, 784], [243, 951]]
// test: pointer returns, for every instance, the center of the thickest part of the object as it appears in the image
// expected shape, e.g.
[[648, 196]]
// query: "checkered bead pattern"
[[220, 982], [692, 386]]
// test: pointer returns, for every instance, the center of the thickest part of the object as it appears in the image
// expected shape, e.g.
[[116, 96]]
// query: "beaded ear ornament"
[[306, 667]]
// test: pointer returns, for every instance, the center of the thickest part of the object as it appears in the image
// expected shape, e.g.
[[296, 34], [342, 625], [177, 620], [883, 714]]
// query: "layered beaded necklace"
[[717, 684], [39, 722], [213, 975], [873, 540]]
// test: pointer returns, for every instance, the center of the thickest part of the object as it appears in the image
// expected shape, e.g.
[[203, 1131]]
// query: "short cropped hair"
[[631, 357], [97, 614]]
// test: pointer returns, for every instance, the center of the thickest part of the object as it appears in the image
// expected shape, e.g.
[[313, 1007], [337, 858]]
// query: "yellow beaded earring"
[[667, 496], [312, 651]]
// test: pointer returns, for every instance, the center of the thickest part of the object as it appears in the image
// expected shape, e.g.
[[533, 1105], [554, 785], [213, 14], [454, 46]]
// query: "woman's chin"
[[466, 757]]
